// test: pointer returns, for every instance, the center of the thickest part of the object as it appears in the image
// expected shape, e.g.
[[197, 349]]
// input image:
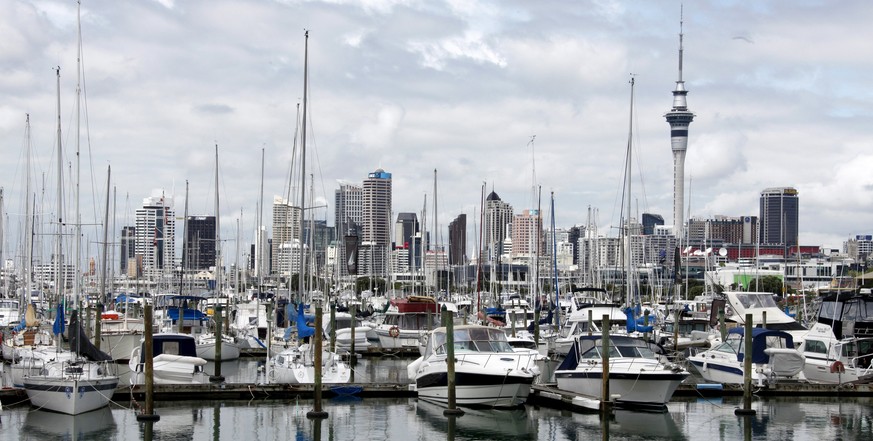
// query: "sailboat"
[[85, 382], [296, 365], [638, 375]]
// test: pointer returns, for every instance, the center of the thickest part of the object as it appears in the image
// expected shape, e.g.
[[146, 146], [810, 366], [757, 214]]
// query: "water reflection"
[[485, 424], [42, 425], [624, 423], [797, 418]]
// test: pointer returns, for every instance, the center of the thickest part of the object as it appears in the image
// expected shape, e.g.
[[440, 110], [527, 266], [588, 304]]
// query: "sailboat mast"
[[303, 165], [628, 201], [435, 232], [59, 259], [28, 224], [188, 248], [78, 219], [218, 265], [104, 267]]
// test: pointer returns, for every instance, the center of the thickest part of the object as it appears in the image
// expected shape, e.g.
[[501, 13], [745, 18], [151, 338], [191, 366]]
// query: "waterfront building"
[[198, 250], [723, 229], [779, 216], [679, 118], [348, 222], [860, 248], [376, 219], [155, 233]]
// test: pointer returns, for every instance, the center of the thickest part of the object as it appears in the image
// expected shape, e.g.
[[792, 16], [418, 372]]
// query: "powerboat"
[[638, 376], [174, 361], [774, 358], [836, 361], [410, 319], [488, 371]]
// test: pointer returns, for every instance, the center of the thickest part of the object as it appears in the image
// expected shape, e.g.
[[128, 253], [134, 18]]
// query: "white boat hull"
[[490, 395], [69, 396], [640, 382], [295, 366], [229, 351]]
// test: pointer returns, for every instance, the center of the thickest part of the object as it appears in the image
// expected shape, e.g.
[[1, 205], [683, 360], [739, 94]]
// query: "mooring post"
[[317, 412], [747, 370], [148, 414], [450, 364], [217, 377]]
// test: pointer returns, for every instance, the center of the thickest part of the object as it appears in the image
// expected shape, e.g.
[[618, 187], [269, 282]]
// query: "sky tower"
[[679, 118]]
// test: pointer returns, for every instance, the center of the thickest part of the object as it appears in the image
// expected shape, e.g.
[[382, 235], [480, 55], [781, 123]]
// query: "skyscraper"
[[498, 217], [679, 118], [458, 240], [128, 247], [650, 220], [155, 234], [348, 217], [199, 249], [405, 230], [779, 216], [376, 214]]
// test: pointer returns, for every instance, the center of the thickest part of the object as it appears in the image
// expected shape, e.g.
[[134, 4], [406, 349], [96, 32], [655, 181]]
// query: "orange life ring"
[[838, 367], [394, 332]]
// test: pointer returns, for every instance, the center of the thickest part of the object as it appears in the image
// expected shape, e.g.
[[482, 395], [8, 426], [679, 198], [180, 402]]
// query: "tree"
[[768, 284]]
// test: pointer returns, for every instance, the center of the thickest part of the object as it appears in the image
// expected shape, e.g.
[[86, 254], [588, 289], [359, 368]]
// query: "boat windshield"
[[756, 300], [475, 340], [621, 351]]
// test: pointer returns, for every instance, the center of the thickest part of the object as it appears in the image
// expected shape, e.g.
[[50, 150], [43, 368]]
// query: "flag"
[[58, 327]]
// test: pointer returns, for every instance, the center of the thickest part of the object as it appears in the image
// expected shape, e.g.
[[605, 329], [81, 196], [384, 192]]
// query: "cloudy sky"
[[780, 91]]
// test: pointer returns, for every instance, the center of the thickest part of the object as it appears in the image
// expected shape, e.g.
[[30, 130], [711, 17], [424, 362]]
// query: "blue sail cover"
[[637, 324], [59, 326], [303, 330]]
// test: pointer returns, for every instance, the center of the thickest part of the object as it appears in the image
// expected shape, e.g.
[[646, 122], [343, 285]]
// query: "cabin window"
[[170, 347], [815, 346]]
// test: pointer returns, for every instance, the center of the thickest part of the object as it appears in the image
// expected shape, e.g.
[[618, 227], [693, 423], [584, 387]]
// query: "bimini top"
[[763, 338]]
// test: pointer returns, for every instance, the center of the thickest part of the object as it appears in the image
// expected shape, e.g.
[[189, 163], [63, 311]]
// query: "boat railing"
[[522, 360]]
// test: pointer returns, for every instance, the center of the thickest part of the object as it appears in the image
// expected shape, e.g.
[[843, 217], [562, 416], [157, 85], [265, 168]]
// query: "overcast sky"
[[780, 89]]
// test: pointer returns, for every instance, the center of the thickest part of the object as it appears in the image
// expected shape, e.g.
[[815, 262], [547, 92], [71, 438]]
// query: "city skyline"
[[775, 89]]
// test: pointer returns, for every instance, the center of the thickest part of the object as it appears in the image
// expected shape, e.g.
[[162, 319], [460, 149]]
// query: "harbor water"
[[353, 418]]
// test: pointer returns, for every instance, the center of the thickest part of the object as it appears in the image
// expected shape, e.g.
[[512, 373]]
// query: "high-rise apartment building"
[[779, 216], [527, 234], [286, 228], [348, 221], [155, 235], [498, 218], [458, 240], [198, 251], [376, 239]]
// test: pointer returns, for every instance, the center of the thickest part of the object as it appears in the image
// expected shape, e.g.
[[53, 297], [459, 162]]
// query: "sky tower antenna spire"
[[679, 118]]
